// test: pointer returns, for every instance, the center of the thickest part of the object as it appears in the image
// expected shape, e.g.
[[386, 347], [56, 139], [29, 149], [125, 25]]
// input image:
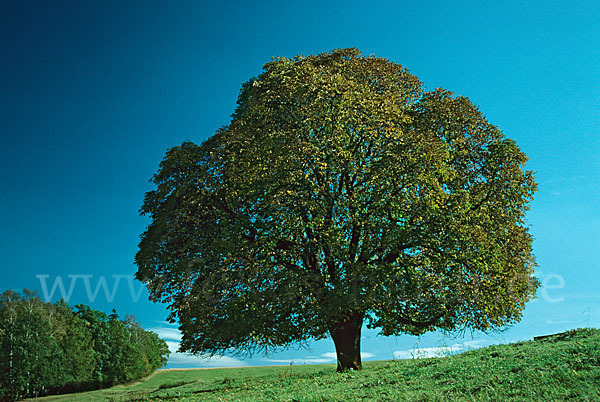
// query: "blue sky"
[[93, 93]]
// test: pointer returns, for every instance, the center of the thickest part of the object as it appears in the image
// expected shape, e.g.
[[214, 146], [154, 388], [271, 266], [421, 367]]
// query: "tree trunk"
[[346, 337]]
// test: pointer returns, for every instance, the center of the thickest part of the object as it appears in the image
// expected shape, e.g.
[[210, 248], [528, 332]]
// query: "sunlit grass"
[[557, 368]]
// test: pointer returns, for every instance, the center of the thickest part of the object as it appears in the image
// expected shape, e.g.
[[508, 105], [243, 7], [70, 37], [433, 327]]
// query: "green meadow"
[[561, 367]]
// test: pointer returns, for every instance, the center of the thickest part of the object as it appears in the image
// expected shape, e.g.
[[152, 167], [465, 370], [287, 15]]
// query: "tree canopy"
[[341, 192]]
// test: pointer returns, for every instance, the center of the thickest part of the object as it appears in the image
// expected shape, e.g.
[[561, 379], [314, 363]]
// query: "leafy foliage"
[[340, 192], [28, 351], [52, 348]]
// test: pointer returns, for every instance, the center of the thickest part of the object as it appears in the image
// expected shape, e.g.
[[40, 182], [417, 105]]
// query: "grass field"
[[563, 367]]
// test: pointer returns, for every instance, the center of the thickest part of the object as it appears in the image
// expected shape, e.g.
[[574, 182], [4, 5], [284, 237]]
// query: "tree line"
[[50, 348]]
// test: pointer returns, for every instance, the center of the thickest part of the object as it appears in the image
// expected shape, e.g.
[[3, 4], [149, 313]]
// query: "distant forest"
[[50, 348]]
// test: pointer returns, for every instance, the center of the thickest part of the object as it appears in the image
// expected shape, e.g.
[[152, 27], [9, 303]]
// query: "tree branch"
[[419, 324]]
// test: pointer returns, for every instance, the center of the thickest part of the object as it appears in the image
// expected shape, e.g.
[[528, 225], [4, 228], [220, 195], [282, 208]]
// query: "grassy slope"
[[557, 368]]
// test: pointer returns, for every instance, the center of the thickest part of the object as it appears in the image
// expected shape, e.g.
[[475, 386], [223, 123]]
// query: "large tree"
[[341, 193]]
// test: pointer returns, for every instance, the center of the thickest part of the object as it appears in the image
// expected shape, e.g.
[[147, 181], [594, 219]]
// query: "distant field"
[[563, 367], [171, 384]]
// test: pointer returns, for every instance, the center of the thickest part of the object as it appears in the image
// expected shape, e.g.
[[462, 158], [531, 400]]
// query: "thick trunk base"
[[346, 337]]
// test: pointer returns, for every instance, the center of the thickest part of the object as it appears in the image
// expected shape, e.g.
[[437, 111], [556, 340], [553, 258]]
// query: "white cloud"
[[166, 333], [438, 351], [474, 344], [306, 360], [558, 322], [333, 356], [173, 346], [329, 357], [184, 360], [166, 323], [172, 337]]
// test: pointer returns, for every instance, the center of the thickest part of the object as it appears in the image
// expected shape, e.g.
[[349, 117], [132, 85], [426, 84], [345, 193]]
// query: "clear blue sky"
[[93, 93]]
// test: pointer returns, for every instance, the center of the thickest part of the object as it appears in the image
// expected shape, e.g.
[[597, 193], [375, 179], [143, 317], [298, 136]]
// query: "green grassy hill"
[[561, 367]]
